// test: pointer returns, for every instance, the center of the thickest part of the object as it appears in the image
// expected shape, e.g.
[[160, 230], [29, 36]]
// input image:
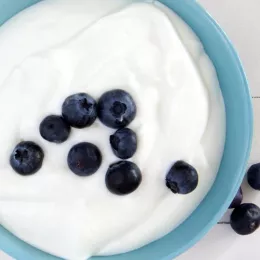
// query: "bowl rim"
[[247, 95]]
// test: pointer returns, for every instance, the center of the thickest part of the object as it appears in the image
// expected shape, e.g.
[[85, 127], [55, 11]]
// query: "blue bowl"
[[237, 98]]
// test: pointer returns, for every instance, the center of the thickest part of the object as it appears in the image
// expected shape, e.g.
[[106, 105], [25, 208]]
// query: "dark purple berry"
[[116, 108], [245, 219], [237, 200], [27, 158], [84, 159], [123, 177], [79, 110], [253, 176], [124, 143], [182, 178], [54, 129]]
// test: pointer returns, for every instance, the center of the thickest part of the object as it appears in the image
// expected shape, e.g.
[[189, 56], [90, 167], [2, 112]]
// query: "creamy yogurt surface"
[[60, 47]]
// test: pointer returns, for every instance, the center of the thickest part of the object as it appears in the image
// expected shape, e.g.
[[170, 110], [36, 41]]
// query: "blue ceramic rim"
[[16, 250], [241, 174]]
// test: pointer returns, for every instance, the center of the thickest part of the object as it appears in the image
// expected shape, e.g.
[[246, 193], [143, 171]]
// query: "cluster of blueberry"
[[115, 109], [245, 218]]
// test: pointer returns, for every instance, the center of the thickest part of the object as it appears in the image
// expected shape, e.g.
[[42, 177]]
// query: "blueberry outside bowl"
[[237, 149]]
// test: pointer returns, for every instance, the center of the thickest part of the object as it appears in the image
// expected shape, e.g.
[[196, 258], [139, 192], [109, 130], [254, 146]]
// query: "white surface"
[[240, 20]]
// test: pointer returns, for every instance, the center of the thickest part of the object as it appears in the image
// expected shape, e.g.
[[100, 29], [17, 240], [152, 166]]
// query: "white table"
[[240, 19]]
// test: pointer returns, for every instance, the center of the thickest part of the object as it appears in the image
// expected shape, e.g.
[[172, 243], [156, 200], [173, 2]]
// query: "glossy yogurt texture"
[[60, 47]]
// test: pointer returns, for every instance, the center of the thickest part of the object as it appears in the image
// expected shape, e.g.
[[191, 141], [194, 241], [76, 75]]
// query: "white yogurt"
[[61, 47]]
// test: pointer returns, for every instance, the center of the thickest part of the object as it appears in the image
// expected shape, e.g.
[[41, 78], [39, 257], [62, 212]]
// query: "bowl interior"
[[238, 142]]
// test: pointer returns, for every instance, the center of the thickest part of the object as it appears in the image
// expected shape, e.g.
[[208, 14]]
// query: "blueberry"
[[123, 177], [124, 143], [84, 159], [237, 200], [54, 129], [116, 109], [245, 219], [26, 158], [182, 178], [253, 176], [79, 110]]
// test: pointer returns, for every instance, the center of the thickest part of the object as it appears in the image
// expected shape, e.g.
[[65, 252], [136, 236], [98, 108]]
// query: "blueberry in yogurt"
[[124, 143], [79, 110], [116, 108], [182, 178], [54, 129], [123, 177], [84, 159], [26, 158]]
